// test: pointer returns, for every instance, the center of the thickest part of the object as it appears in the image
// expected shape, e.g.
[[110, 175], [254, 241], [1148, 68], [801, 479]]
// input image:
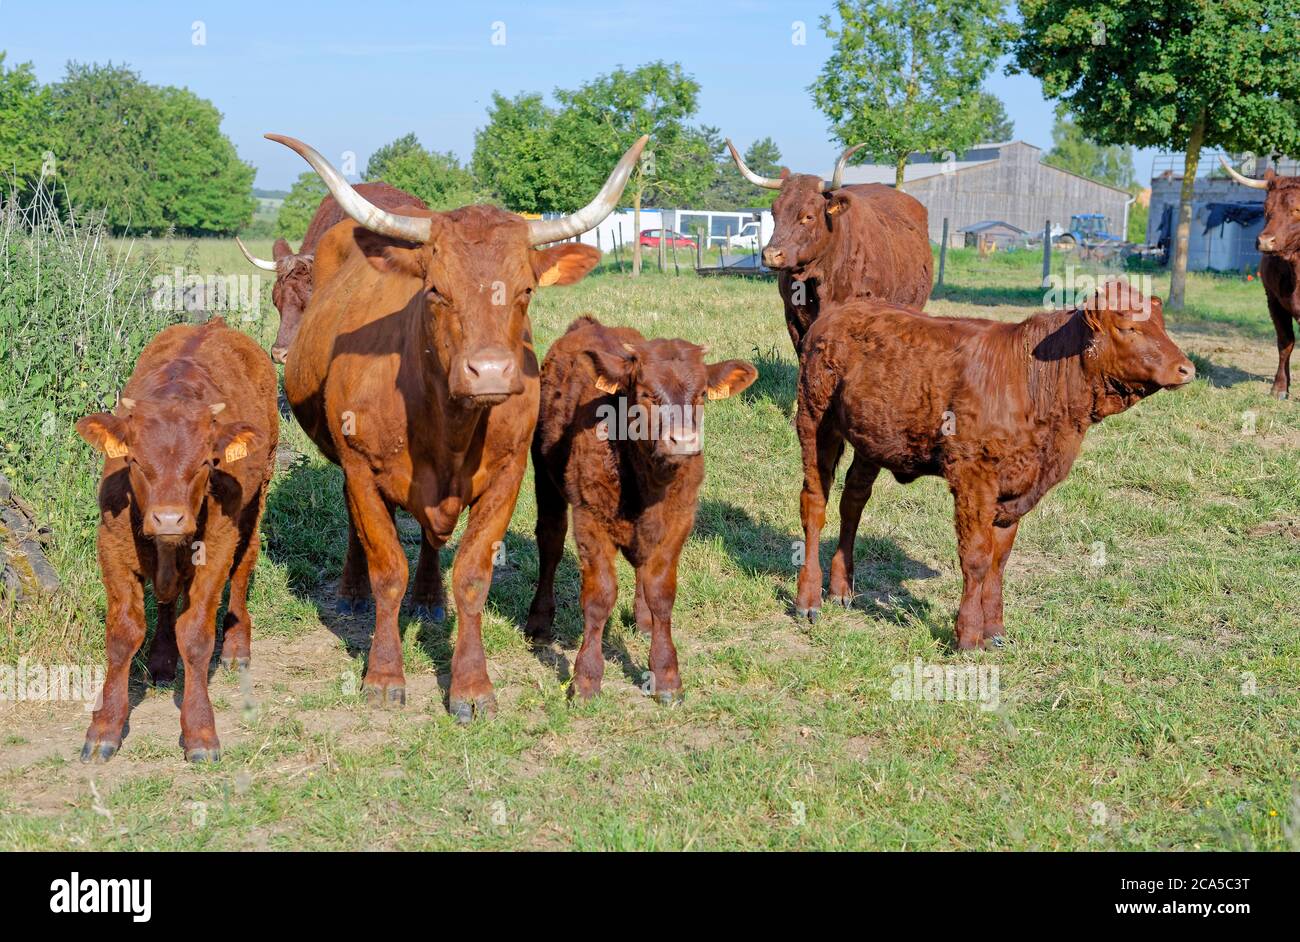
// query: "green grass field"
[[1149, 699]]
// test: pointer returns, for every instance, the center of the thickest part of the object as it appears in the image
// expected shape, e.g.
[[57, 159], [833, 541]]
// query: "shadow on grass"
[[1223, 377], [778, 380]]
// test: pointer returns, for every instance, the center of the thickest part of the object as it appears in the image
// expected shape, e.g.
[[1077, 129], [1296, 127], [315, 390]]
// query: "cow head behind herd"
[[409, 361]]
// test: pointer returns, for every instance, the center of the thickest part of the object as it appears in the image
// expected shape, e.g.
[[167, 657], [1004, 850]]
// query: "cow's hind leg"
[[975, 504], [1285, 328], [237, 628], [427, 595], [354, 585], [659, 580], [599, 593], [163, 652], [857, 491], [552, 526], [385, 681], [124, 630], [991, 593]]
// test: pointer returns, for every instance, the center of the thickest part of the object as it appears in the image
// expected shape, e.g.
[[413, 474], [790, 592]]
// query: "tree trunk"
[[636, 234], [1178, 279], [899, 166]]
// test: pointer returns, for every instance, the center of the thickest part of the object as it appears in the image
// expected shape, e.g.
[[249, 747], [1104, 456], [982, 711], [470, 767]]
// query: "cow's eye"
[[436, 297]]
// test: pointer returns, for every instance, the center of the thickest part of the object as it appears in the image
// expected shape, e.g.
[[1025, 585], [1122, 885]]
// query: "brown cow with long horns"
[[833, 243], [414, 371], [295, 271], [1279, 269]]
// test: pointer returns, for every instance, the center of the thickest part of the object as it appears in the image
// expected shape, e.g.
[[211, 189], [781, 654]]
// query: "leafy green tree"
[[513, 156], [905, 75], [437, 178], [1173, 74], [998, 126], [728, 190], [603, 118], [1138, 214], [299, 206], [26, 128], [1073, 150], [150, 158]]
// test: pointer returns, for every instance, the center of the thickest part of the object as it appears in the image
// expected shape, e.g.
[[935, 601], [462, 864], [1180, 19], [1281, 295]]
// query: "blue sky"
[[353, 76]]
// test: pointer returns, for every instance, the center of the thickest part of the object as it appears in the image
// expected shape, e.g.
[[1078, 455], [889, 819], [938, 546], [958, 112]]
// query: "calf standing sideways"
[[619, 439], [998, 410], [189, 452]]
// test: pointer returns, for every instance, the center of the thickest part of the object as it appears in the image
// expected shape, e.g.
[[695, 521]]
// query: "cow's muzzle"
[[490, 373], [1266, 243]]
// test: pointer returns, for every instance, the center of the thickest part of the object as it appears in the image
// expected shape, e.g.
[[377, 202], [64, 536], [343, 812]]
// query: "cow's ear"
[[104, 432], [613, 368], [280, 250], [1270, 174], [565, 263], [729, 377], [233, 440], [836, 203], [391, 256]]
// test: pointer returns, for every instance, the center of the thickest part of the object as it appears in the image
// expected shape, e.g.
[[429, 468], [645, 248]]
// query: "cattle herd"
[[409, 361]]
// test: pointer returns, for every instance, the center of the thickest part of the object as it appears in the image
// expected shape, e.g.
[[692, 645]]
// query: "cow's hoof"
[[203, 754], [346, 606], [1280, 393], [670, 698], [808, 613], [381, 695], [235, 662], [434, 613], [98, 750], [464, 711], [844, 601], [162, 676]]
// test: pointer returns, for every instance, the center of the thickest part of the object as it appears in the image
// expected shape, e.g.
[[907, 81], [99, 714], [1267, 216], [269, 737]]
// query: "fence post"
[[943, 253], [1047, 253], [618, 252]]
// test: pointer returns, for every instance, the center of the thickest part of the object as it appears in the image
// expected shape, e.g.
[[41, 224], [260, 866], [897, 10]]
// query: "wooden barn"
[[1006, 182]]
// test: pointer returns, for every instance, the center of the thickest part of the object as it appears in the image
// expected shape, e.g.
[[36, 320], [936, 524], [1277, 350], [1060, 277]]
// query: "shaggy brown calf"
[[297, 273], [619, 439], [189, 452], [998, 410]]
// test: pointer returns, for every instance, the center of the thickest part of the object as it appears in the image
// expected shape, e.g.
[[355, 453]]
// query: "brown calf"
[[297, 273], [190, 450], [619, 439], [997, 410]]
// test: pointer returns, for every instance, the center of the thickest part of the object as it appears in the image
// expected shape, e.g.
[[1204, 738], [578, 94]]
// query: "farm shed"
[[1226, 216], [1006, 182], [1001, 234]]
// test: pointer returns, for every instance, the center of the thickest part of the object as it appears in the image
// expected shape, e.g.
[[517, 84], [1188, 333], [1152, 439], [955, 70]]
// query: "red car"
[[650, 238]]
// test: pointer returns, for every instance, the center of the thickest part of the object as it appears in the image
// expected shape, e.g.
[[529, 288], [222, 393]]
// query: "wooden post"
[[1047, 253], [943, 253], [677, 268], [618, 252]]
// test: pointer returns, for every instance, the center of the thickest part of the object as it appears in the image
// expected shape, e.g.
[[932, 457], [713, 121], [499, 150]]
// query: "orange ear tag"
[[235, 451], [719, 392], [114, 448], [606, 385]]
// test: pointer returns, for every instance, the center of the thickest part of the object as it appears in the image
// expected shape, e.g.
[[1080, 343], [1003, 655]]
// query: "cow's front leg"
[[385, 682], [124, 631], [471, 577], [196, 636], [822, 447], [991, 594], [599, 593], [659, 578], [975, 503], [1285, 328], [857, 491]]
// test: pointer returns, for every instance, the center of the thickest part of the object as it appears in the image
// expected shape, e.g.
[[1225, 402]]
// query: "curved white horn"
[[542, 231], [364, 212], [837, 178], [767, 183], [1244, 181], [259, 262]]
